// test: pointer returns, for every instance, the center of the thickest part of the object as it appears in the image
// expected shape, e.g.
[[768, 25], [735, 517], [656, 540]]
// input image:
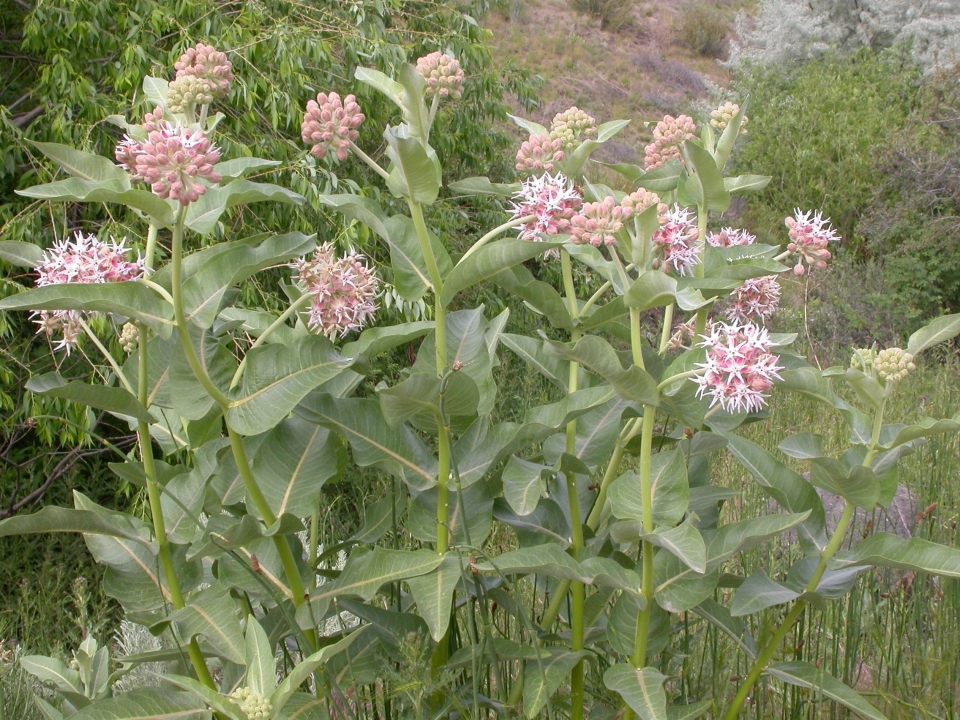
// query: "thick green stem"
[[701, 322], [667, 327], [151, 249], [371, 163], [768, 652], [643, 618], [677, 378], [253, 491], [294, 308], [494, 233]]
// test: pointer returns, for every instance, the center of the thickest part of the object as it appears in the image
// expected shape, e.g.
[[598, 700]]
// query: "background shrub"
[[703, 28], [613, 14]]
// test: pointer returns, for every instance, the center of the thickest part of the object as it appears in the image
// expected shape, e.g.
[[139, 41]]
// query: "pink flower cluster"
[[552, 200], [597, 222], [740, 369], [208, 64], [731, 237], [344, 291], [86, 260], [755, 301], [442, 74], [677, 239], [668, 136], [331, 124], [810, 234], [173, 161], [539, 153]]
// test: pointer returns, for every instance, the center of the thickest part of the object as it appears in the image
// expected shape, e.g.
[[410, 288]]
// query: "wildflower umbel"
[[668, 136], [740, 369], [185, 93], [343, 291], [572, 127], [639, 200], [254, 706], [722, 116], [810, 234], [539, 153], [206, 63], [174, 160], [552, 200], [85, 260], [442, 74], [598, 222], [755, 301], [893, 364], [731, 237], [677, 239], [330, 124]]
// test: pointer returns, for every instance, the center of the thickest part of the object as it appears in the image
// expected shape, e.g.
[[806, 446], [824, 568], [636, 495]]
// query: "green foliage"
[[613, 14], [703, 28]]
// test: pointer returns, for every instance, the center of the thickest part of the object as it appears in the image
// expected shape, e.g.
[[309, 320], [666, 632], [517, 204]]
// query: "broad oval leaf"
[[147, 704], [76, 189], [640, 688], [918, 555], [933, 333], [487, 262], [203, 215], [83, 165], [807, 675], [114, 400], [596, 354], [21, 254]]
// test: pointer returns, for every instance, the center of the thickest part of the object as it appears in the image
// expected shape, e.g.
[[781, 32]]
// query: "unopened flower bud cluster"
[[598, 222], [893, 364], [129, 338], [722, 116], [572, 127], [330, 124], [540, 153], [173, 161], [185, 93], [668, 136], [641, 199], [256, 707], [206, 63], [442, 75]]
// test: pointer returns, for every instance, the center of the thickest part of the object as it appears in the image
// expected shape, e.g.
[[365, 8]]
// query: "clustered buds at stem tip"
[[597, 222], [740, 369], [344, 291], [677, 240], [552, 200], [208, 64], [572, 127], [668, 137], [442, 75], [539, 153], [641, 199], [255, 707], [85, 260], [722, 116], [809, 234], [330, 123], [173, 161]]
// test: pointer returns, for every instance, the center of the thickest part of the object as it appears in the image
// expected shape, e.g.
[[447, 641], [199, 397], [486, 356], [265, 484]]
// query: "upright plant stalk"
[[153, 490], [577, 589], [770, 650], [254, 493], [701, 322]]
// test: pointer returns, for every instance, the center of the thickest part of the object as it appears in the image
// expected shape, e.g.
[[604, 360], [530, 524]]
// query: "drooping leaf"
[[933, 333], [916, 554], [114, 400], [685, 542], [641, 689], [83, 165], [411, 276], [653, 288], [147, 704], [759, 592], [76, 189], [21, 254], [807, 675], [529, 126], [433, 593], [545, 559], [522, 484], [595, 353], [377, 340], [535, 293], [803, 446], [212, 613], [361, 209], [203, 215], [716, 614], [483, 186], [487, 262], [93, 520]]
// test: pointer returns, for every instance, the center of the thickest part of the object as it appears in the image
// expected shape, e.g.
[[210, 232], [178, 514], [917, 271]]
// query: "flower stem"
[[493, 233], [294, 307], [369, 161], [768, 652], [107, 356], [701, 321], [677, 378], [667, 327], [236, 443], [647, 549]]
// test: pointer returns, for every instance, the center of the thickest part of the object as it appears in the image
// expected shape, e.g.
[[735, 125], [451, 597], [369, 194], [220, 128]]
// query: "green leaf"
[[415, 111], [433, 593], [292, 464], [474, 516], [212, 613], [807, 675], [859, 484], [724, 543], [716, 614], [114, 400], [802, 446], [542, 678], [487, 262], [607, 572], [926, 428], [52, 670], [653, 288], [785, 486], [411, 277], [933, 333], [483, 186], [641, 689], [530, 126], [541, 559], [94, 521], [239, 167], [278, 377], [298, 675], [668, 487], [662, 180], [535, 293], [572, 164], [522, 484], [147, 704], [83, 165], [21, 254], [187, 396], [531, 351], [415, 172], [419, 394], [361, 209], [759, 592], [366, 574], [379, 517], [129, 299], [261, 666], [107, 191], [155, 90], [729, 137], [597, 355], [708, 188], [685, 542], [203, 215], [688, 712], [380, 82], [918, 555], [220, 703], [745, 184], [377, 340], [397, 451]]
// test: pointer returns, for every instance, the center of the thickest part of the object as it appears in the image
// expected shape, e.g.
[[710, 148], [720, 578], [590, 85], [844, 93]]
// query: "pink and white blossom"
[[597, 222], [810, 234], [731, 237], [552, 200], [677, 240], [174, 160], [344, 291], [85, 260], [330, 124], [740, 369], [755, 301]]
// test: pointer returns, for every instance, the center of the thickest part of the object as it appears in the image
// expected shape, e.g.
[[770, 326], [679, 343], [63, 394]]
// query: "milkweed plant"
[[616, 523]]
